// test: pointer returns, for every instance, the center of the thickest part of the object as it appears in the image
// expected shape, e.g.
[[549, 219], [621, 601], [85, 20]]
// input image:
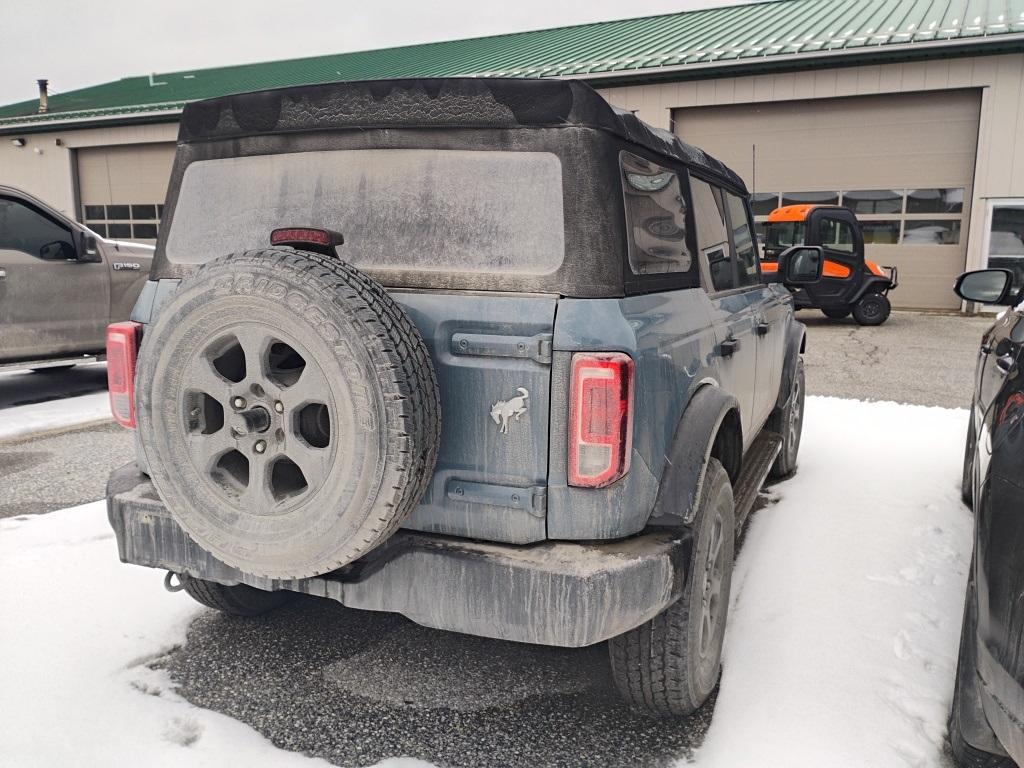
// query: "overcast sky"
[[75, 44]]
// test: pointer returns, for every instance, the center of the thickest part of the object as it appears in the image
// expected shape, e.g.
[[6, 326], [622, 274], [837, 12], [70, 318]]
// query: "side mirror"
[[89, 251], [801, 264], [985, 286], [57, 250]]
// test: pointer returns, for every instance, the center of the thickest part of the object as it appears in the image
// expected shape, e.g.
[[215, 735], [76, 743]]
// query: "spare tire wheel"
[[289, 412]]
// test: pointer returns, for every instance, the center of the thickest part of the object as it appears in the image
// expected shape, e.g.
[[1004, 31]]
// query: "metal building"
[[911, 113]]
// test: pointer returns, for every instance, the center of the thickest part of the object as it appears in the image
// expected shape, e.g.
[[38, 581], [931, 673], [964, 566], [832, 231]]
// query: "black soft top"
[[463, 102]]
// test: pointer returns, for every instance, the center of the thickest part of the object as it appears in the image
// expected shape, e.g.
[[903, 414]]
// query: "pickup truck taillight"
[[122, 349], [600, 418]]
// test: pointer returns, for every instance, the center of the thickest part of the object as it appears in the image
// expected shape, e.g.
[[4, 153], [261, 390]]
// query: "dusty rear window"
[[398, 209]]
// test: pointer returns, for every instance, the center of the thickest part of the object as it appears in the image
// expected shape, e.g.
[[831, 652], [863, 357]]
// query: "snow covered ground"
[[48, 404], [840, 651], [54, 414]]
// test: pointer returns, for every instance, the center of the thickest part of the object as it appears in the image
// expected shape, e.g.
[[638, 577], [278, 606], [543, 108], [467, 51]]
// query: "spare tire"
[[288, 410]]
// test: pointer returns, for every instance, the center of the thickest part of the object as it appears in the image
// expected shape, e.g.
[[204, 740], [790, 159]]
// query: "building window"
[[138, 221], [763, 203], [819, 198], [887, 216]]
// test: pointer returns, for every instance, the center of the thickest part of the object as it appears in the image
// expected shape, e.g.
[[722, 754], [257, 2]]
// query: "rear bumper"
[[554, 593]]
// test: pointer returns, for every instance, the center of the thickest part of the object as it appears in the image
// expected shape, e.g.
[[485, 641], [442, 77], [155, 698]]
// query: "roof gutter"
[[89, 121]]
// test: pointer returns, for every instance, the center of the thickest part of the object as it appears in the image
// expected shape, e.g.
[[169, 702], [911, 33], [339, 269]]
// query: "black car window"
[[743, 241], [655, 217], [713, 234], [837, 235], [23, 228]]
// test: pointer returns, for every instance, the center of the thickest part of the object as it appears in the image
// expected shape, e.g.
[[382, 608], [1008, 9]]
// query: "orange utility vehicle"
[[849, 283]]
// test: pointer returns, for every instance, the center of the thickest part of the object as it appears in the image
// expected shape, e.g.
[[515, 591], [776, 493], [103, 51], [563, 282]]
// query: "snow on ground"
[[840, 650], [77, 630], [53, 414], [847, 598]]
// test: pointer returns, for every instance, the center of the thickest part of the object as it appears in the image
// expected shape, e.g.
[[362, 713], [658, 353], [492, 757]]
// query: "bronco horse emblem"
[[504, 410]]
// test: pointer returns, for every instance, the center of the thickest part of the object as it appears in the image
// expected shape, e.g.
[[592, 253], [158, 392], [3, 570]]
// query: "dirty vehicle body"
[[60, 285], [849, 282], [564, 423], [987, 722]]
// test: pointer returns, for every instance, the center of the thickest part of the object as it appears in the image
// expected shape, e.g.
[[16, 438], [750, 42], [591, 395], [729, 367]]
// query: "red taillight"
[[122, 348], [298, 237], [600, 418]]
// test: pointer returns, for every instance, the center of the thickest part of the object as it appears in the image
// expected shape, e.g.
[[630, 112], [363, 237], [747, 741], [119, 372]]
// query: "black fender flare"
[[688, 453], [872, 283], [796, 343]]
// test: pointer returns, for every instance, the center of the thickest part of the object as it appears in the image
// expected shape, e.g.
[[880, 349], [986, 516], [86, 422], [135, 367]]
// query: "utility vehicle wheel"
[[967, 478], [836, 314], [789, 423], [237, 600], [288, 411], [670, 665], [964, 754], [872, 309], [53, 369]]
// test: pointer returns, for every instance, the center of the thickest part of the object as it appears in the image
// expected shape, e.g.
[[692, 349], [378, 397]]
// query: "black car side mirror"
[[88, 250], [801, 264], [986, 286]]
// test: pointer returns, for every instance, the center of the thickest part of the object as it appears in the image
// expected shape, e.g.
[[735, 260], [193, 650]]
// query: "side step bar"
[[757, 463], [53, 362]]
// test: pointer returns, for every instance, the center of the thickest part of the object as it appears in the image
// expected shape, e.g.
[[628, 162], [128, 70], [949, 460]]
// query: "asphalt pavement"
[[356, 687]]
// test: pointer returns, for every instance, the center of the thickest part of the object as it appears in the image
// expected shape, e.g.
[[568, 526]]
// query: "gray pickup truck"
[[61, 285], [490, 354]]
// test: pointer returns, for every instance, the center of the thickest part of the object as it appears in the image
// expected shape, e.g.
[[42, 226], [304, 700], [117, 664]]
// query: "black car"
[[987, 722]]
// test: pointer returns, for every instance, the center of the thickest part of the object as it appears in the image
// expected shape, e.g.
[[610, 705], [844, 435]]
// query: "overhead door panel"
[[903, 162], [122, 189]]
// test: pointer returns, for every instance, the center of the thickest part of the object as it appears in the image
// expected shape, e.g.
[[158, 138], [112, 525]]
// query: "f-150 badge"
[[504, 411], [119, 265]]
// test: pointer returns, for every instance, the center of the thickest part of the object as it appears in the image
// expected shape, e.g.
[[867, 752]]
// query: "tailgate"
[[492, 354]]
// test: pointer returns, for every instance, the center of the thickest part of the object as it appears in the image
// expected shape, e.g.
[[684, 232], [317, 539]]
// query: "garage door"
[[904, 163], [122, 189]]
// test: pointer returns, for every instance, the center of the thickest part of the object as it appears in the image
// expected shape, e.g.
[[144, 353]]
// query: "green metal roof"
[[679, 45]]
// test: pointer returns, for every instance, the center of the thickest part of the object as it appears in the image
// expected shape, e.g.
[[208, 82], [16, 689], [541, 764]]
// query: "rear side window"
[[713, 234], [743, 241], [655, 218]]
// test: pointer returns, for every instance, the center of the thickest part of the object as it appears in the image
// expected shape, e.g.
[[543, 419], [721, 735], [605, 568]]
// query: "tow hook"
[[182, 578]]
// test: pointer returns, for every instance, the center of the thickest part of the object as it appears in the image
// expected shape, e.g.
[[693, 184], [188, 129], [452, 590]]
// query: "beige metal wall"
[[919, 140], [45, 168], [999, 158]]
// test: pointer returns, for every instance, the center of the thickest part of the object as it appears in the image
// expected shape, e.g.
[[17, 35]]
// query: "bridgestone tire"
[[658, 667], [789, 423], [343, 401], [836, 314], [237, 600], [872, 309]]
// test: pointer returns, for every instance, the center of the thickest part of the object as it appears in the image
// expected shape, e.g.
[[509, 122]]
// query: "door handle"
[[1004, 364], [728, 347], [763, 328]]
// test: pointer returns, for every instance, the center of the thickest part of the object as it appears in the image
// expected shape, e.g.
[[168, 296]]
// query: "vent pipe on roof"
[[44, 97]]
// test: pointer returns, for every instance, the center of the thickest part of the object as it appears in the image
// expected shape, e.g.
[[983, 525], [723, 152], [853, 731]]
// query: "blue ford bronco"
[[490, 354]]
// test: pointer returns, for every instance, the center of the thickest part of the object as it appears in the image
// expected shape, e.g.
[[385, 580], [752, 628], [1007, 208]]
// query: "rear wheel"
[[966, 716], [789, 423], [872, 309], [670, 665], [236, 600], [836, 314]]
